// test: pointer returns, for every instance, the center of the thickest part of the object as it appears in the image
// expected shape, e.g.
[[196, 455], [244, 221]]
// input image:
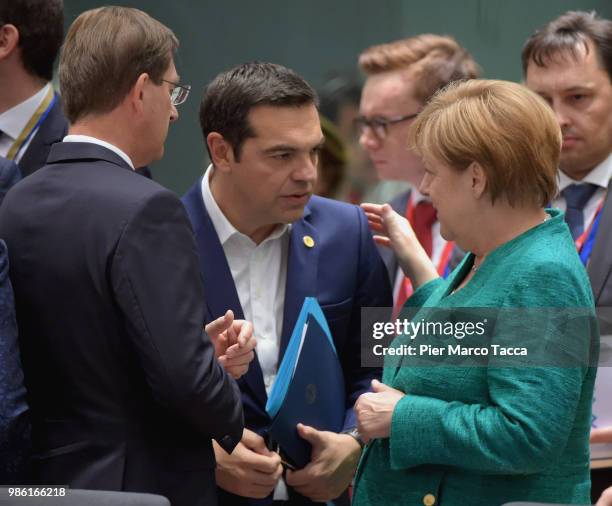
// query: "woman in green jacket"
[[451, 433]]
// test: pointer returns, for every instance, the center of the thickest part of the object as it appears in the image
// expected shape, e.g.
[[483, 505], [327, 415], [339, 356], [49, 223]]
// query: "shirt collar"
[[225, 230], [13, 121], [599, 176], [100, 142]]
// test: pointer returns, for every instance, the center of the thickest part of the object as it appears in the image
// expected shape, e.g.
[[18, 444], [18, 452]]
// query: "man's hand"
[[251, 470], [374, 411], [234, 343], [603, 435], [332, 466]]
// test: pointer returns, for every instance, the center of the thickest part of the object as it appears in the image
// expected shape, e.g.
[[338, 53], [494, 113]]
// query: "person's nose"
[[174, 115], [424, 186], [562, 115], [307, 171], [368, 140]]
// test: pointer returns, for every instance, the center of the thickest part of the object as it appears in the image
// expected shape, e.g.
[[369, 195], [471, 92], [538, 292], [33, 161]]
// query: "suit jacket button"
[[429, 500]]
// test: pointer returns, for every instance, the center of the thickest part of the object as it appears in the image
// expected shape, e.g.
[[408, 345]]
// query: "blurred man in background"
[[568, 62], [401, 77]]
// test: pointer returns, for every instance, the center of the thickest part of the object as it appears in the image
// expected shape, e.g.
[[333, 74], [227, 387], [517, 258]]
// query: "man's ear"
[[137, 92], [478, 179], [221, 152], [9, 40]]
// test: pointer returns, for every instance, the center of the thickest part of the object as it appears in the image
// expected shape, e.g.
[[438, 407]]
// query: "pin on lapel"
[[308, 241]]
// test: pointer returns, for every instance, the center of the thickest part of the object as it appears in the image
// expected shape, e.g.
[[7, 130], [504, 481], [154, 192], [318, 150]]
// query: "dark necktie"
[[576, 197]]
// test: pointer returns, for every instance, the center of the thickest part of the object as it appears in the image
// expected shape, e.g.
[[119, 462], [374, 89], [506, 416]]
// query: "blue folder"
[[309, 387]]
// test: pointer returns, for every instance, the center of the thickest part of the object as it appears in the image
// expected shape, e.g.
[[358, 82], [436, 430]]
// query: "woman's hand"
[[374, 411], [394, 231]]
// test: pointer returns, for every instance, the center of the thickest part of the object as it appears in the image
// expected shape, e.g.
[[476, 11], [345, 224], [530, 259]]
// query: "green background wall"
[[318, 37]]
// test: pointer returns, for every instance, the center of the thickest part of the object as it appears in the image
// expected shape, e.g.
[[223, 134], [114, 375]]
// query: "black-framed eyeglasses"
[[379, 124], [179, 93]]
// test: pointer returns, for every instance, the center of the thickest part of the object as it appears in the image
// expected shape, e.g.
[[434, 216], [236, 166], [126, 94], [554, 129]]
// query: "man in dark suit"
[[125, 388], [31, 117], [401, 76], [265, 244], [569, 63]]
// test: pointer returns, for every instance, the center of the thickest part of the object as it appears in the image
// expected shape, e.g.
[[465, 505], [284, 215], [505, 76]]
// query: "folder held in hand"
[[309, 387]]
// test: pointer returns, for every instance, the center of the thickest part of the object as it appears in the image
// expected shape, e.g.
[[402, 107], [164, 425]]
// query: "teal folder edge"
[[287, 367]]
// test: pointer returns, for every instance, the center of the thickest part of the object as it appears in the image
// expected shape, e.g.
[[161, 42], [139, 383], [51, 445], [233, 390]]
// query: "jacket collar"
[[73, 151]]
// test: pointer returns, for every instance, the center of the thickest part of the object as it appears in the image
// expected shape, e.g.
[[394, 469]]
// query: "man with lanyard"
[[401, 77], [569, 63], [31, 119], [31, 116]]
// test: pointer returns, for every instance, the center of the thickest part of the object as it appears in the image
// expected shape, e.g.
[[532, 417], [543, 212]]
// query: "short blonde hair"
[[105, 51], [433, 60], [506, 128]]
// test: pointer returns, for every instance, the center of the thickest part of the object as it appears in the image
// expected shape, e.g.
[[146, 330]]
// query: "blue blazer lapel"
[[221, 293], [301, 275]]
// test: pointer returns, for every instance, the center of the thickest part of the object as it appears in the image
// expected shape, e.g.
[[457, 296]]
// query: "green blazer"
[[484, 436]]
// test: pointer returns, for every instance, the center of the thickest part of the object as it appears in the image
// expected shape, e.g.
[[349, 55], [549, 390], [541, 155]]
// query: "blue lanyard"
[[587, 248]]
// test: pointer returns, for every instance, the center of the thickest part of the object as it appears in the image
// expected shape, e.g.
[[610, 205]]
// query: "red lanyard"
[[580, 240]]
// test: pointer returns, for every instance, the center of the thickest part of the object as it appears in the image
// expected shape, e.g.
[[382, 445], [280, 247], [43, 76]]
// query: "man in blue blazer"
[[265, 244]]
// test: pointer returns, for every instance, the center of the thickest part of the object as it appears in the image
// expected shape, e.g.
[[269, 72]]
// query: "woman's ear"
[[478, 178]]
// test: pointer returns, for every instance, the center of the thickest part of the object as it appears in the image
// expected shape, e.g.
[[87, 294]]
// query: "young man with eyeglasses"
[[126, 389], [401, 76]]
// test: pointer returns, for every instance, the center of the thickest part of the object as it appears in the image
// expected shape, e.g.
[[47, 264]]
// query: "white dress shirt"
[[13, 121], [437, 242], [260, 275], [100, 142], [599, 176]]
